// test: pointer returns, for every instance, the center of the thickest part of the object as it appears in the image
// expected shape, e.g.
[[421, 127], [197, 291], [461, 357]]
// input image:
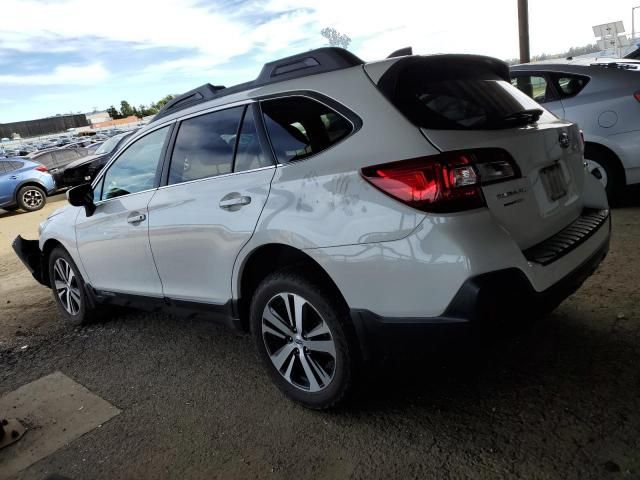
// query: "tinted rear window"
[[463, 97]]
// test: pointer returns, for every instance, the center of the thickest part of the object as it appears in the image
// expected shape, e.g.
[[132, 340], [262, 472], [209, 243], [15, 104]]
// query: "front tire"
[[303, 338], [31, 198], [68, 288]]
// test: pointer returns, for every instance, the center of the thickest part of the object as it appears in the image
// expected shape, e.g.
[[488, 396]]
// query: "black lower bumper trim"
[[29, 252], [492, 298]]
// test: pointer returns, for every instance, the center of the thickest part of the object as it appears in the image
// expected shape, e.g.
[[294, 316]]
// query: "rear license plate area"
[[553, 180]]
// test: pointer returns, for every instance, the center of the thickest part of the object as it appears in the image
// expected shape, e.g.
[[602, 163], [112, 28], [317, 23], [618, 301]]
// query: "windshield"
[[109, 145]]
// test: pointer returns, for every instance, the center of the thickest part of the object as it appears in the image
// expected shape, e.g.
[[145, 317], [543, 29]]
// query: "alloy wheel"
[[299, 342], [66, 285], [32, 198], [597, 171]]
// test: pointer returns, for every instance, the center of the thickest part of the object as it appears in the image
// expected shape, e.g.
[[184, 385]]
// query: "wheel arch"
[[47, 248], [269, 258]]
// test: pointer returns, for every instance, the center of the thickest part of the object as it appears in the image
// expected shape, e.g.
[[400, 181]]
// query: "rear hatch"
[[466, 103]]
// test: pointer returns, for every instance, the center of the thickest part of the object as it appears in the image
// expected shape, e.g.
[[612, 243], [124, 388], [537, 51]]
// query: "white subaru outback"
[[331, 203]]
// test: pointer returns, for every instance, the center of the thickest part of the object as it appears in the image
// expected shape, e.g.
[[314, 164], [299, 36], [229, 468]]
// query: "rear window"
[[459, 97]]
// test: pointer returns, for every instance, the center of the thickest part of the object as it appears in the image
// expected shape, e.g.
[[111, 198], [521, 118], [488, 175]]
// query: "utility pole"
[[523, 28]]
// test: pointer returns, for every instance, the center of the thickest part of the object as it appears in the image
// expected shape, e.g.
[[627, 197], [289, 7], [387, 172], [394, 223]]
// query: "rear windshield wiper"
[[523, 117]]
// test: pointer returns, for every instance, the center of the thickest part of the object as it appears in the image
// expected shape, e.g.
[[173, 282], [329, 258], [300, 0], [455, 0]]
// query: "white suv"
[[330, 204]]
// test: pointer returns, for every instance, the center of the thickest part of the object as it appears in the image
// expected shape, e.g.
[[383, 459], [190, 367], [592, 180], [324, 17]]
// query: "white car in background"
[[603, 97]]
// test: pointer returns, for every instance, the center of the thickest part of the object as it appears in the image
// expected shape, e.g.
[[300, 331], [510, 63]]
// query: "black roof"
[[316, 61]]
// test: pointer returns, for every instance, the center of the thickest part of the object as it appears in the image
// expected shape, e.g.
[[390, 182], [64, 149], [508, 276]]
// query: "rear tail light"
[[445, 183], [637, 95], [41, 168]]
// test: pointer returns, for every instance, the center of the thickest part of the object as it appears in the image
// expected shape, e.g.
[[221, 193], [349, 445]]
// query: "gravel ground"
[[559, 401]]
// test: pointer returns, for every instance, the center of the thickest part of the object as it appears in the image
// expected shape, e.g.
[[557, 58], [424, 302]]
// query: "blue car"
[[24, 184]]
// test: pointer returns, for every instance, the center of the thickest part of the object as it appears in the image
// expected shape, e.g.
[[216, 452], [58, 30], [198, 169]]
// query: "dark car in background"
[[56, 159], [85, 169]]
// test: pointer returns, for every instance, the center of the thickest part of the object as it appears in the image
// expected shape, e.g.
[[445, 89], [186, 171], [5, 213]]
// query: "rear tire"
[[302, 335], [31, 198], [68, 289], [606, 172]]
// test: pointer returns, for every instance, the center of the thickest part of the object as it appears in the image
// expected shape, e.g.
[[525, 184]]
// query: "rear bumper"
[[29, 252], [494, 298]]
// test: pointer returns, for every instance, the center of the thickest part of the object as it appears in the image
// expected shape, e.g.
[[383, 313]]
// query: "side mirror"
[[82, 196]]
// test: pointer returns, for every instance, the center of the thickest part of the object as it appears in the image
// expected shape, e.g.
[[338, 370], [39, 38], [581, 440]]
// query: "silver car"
[[603, 97], [336, 210]]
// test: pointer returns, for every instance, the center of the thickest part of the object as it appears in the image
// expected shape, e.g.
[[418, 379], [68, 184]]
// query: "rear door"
[[217, 183], [466, 104]]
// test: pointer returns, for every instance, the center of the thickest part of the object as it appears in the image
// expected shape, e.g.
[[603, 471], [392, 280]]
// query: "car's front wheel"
[[31, 198], [68, 288], [303, 338]]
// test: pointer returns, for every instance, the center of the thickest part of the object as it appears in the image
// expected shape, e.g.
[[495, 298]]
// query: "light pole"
[[633, 23], [523, 27]]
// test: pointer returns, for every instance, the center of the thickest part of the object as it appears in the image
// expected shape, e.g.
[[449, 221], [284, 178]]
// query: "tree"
[[113, 112], [126, 110], [335, 38]]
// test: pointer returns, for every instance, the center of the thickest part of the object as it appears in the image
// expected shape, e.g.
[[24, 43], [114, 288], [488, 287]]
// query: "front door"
[[114, 241], [218, 183]]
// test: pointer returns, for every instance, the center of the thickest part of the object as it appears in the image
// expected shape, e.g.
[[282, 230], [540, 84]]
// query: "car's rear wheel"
[[605, 171], [68, 288], [302, 336], [31, 198]]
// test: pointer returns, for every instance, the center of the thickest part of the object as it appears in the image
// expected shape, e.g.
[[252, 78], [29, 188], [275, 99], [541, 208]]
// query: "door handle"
[[229, 203], [136, 219]]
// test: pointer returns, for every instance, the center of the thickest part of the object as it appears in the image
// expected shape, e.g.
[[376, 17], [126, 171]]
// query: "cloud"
[[60, 75]]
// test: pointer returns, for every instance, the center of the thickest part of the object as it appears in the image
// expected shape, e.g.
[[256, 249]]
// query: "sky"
[[63, 56]]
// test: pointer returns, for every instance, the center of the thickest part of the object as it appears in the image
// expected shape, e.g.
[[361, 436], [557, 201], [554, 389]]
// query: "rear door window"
[[205, 145], [569, 85], [249, 154], [299, 127], [537, 87], [64, 157]]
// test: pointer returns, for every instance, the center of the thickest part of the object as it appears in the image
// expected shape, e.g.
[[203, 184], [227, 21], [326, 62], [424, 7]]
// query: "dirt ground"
[[27, 310], [561, 400]]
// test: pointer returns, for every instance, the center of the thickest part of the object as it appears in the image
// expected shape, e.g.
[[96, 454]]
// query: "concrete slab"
[[56, 411]]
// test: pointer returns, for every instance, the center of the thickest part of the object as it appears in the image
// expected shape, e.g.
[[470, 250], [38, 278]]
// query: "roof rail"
[[192, 97], [320, 60], [619, 65]]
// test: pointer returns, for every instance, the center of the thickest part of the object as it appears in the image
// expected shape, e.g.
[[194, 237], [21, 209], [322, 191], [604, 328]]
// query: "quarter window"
[[570, 85], [300, 127], [135, 170], [204, 146], [46, 159]]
